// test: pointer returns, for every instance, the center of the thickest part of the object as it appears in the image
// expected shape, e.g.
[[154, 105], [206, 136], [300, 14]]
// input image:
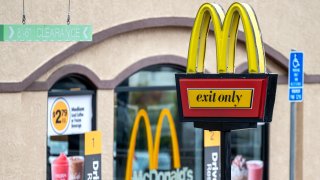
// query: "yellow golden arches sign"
[[153, 150], [226, 30], [212, 101], [211, 97]]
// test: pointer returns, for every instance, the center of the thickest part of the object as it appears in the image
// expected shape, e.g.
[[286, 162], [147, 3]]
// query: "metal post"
[[225, 155], [292, 139]]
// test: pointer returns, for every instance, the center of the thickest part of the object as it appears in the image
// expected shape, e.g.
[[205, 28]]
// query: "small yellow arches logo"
[[153, 149]]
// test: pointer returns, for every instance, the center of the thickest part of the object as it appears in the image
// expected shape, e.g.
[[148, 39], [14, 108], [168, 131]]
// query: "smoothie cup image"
[[60, 168], [76, 164], [255, 169]]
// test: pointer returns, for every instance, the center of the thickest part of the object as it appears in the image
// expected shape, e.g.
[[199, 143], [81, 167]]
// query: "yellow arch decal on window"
[[153, 151], [174, 139], [142, 114], [226, 30]]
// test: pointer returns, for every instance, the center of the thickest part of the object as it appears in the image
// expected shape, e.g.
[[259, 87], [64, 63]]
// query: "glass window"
[[153, 90], [249, 144]]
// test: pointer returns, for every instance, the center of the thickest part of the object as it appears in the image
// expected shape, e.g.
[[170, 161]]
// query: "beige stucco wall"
[[105, 123], [23, 135], [311, 138], [112, 56], [279, 136], [24, 130], [285, 25]]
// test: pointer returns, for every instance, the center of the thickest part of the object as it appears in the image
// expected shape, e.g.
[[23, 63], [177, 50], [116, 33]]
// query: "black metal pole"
[[225, 155]]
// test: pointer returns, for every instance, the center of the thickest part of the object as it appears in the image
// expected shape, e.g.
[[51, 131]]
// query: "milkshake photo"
[[76, 164], [255, 169], [60, 168]]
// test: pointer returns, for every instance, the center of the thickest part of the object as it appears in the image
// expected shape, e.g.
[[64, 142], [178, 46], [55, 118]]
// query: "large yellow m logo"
[[226, 30], [153, 150]]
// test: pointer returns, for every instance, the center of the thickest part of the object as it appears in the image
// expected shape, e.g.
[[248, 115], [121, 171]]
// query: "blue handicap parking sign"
[[296, 69], [296, 77]]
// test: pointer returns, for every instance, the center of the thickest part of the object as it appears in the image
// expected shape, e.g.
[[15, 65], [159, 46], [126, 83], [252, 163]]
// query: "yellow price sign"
[[60, 116]]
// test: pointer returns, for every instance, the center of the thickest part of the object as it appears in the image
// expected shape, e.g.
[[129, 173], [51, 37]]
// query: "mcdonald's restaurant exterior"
[[126, 76]]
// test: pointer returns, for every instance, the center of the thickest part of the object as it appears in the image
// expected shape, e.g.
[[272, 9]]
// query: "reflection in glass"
[[247, 143], [153, 89], [246, 147]]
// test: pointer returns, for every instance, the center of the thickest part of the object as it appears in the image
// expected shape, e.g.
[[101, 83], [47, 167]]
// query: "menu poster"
[[69, 114]]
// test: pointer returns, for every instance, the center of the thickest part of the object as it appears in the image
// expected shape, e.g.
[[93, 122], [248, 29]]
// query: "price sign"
[[69, 114], [60, 116]]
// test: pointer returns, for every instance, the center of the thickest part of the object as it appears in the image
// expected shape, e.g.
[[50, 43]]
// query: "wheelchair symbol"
[[295, 62]]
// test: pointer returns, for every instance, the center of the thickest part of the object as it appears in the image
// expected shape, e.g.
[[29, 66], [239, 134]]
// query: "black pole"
[[265, 150], [225, 155]]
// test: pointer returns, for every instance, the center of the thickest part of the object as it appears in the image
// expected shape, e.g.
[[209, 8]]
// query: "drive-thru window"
[[71, 114]]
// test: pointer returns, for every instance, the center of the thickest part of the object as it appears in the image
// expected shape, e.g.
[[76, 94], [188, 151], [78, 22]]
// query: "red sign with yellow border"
[[226, 97]]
